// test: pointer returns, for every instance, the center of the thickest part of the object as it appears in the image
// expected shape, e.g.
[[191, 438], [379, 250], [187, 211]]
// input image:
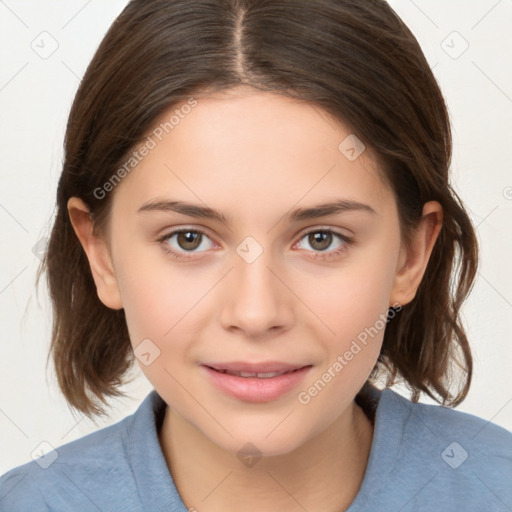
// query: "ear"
[[97, 253], [413, 260]]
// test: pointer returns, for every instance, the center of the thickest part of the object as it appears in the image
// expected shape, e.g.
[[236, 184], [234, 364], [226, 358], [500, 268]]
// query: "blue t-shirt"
[[422, 458]]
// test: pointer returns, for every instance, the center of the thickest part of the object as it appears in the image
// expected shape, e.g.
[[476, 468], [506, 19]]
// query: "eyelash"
[[323, 255]]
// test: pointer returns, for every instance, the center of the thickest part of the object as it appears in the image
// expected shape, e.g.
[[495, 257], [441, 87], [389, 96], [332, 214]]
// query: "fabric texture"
[[423, 458]]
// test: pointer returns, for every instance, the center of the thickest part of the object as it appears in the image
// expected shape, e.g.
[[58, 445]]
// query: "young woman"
[[255, 207]]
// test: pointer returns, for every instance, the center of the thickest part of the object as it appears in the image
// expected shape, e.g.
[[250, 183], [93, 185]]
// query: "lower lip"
[[254, 389]]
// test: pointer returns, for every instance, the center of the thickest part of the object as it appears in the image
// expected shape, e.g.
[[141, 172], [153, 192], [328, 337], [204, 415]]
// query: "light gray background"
[[36, 91]]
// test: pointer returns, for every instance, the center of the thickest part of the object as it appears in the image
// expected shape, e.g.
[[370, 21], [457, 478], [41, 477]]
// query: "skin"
[[255, 156]]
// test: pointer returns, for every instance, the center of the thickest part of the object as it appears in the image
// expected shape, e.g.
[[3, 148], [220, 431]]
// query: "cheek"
[[354, 297], [161, 307], [159, 297], [354, 306]]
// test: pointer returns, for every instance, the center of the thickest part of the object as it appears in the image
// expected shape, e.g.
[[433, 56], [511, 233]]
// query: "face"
[[272, 283]]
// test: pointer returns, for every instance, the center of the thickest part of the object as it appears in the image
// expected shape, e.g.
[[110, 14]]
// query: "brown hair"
[[356, 60]]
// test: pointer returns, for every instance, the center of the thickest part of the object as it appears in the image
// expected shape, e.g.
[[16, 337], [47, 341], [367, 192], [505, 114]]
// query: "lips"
[[255, 382]]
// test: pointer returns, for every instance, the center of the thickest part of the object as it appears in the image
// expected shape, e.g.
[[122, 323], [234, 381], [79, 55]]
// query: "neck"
[[325, 473]]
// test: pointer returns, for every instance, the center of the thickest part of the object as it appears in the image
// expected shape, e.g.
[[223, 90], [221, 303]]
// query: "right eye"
[[182, 243]]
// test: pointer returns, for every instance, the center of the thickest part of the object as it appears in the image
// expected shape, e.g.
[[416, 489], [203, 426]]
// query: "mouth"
[[255, 382]]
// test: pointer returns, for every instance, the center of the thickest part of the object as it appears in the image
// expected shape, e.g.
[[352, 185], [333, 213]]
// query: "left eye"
[[320, 240]]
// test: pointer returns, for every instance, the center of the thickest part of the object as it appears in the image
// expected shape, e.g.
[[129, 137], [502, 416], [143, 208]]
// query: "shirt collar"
[[157, 491]]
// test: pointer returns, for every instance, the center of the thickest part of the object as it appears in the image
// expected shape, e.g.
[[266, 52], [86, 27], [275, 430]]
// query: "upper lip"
[[264, 367]]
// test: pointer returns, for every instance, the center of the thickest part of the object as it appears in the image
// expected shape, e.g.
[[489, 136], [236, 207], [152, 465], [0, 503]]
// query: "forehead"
[[258, 151]]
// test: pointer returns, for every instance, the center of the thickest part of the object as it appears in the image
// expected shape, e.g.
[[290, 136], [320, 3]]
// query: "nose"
[[256, 301]]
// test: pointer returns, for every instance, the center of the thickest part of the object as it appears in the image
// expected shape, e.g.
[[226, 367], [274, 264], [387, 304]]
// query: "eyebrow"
[[296, 215]]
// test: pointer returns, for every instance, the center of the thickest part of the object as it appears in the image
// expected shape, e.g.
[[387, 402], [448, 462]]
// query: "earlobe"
[[97, 252], [414, 258]]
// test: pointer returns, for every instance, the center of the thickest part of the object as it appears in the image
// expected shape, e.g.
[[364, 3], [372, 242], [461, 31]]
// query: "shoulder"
[[444, 455], [446, 424], [83, 471]]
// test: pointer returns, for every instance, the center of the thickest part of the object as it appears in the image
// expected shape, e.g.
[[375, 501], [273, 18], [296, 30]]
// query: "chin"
[[262, 441]]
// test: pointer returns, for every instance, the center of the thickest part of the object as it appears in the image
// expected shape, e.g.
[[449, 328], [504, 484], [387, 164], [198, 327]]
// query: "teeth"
[[267, 375]]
